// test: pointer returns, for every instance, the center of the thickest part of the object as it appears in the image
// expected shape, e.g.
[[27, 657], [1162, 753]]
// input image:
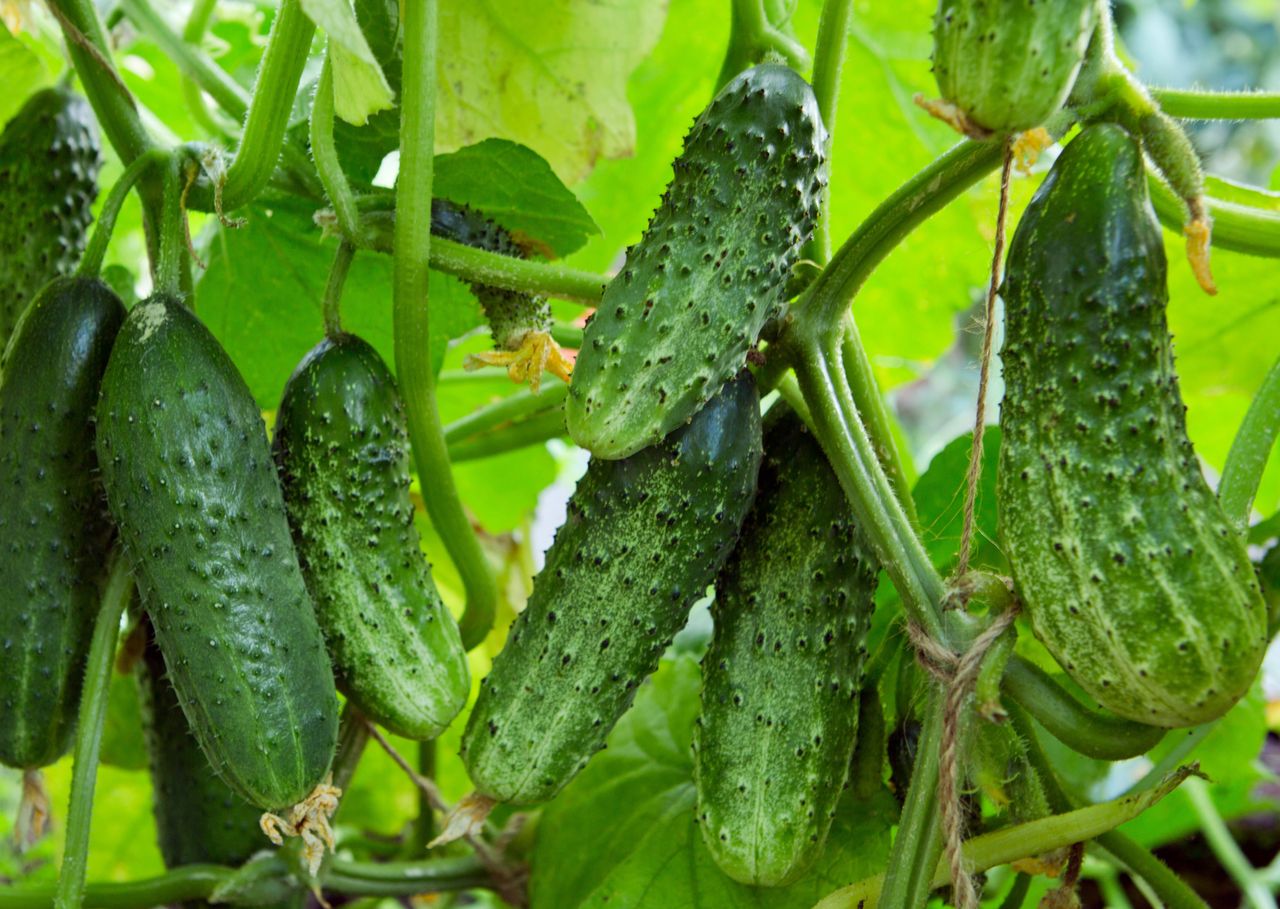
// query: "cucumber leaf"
[[359, 86]]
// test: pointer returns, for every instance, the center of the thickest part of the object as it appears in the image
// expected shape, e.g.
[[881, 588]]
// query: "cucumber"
[[773, 743], [191, 484], [1129, 570], [711, 269], [643, 539], [342, 447], [199, 818], [52, 517], [49, 160], [1009, 65]]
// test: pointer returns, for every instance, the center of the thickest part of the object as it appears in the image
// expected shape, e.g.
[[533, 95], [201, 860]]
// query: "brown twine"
[[988, 332], [957, 673], [193, 171]]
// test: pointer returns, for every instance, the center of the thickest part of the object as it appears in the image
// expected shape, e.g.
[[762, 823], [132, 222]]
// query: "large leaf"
[[624, 835], [359, 87], [940, 495], [550, 75]]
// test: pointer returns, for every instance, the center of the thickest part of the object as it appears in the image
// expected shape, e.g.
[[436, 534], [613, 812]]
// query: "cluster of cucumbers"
[[274, 574]]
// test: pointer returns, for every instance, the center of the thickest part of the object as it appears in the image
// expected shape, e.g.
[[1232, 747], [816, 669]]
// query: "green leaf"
[[122, 742], [940, 494], [514, 186], [21, 73], [624, 835], [359, 86], [263, 292], [550, 75]]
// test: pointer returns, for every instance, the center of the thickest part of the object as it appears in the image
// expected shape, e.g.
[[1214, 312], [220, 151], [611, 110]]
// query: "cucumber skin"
[[52, 514], [1130, 572], [711, 269], [779, 721], [643, 538], [1010, 64], [342, 447], [192, 487], [49, 160], [199, 819]]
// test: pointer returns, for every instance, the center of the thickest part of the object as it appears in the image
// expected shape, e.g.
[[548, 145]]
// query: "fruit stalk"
[[328, 165]]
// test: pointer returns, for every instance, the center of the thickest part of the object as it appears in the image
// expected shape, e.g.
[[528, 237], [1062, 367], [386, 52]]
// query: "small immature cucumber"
[[342, 447], [192, 487], [1008, 65], [643, 539], [49, 162], [198, 817], [52, 516], [711, 269], [779, 719], [1131, 574]]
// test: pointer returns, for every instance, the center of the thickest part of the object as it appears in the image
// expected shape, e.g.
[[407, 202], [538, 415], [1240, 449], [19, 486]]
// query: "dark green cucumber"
[[198, 817], [49, 162], [773, 744], [1130, 571], [191, 484], [1009, 65], [511, 315], [342, 447], [52, 516], [711, 269], [643, 539]]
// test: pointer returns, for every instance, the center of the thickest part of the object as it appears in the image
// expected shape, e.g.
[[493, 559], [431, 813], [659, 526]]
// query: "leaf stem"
[[95, 252], [828, 61], [1250, 451], [93, 710], [1193, 104], [333, 288], [413, 247], [325, 153]]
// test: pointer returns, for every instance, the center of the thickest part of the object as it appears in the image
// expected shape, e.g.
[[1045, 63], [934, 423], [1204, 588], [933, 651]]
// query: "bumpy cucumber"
[[711, 269], [191, 484], [52, 517], [1008, 65], [198, 817], [643, 539], [511, 315], [49, 163], [342, 447], [779, 718], [1129, 569]]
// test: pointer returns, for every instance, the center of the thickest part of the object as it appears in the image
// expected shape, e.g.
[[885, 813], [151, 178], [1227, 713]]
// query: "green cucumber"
[[342, 447], [191, 484], [199, 818], [711, 269], [49, 160], [779, 718], [52, 516], [1009, 65], [1129, 570], [643, 539]]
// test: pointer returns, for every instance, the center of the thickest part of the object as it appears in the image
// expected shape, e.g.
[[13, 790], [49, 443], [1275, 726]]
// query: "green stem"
[[406, 878], [1017, 894], [353, 734], [871, 406], [918, 845], [167, 267], [1191, 104], [412, 324], [567, 335], [1236, 227], [193, 33], [333, 288], [95, 252], [1250, 451], [1098, 735], [523, 403], [325, 153], [260, 144], [1225, 848], [828, 61], [533, 431], [1181, 750], [424, 825], [93, 711]]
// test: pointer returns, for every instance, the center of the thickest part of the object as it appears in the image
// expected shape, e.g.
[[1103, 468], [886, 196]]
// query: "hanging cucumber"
[[643, 539], [1130, 571], [49, 160], [1006, 66], [191, 484], [773, 743], [342, 448], [52, 515], [711, 269]]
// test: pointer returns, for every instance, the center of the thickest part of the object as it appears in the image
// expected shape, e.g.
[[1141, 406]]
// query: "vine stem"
[[95, 252], [192, 34], [325, 152], [333, 288], [508, 410], [1192, 104], [1256, 894], [828, 61], [167, 265], [1250, 451], [411, 322], [93, 711]]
